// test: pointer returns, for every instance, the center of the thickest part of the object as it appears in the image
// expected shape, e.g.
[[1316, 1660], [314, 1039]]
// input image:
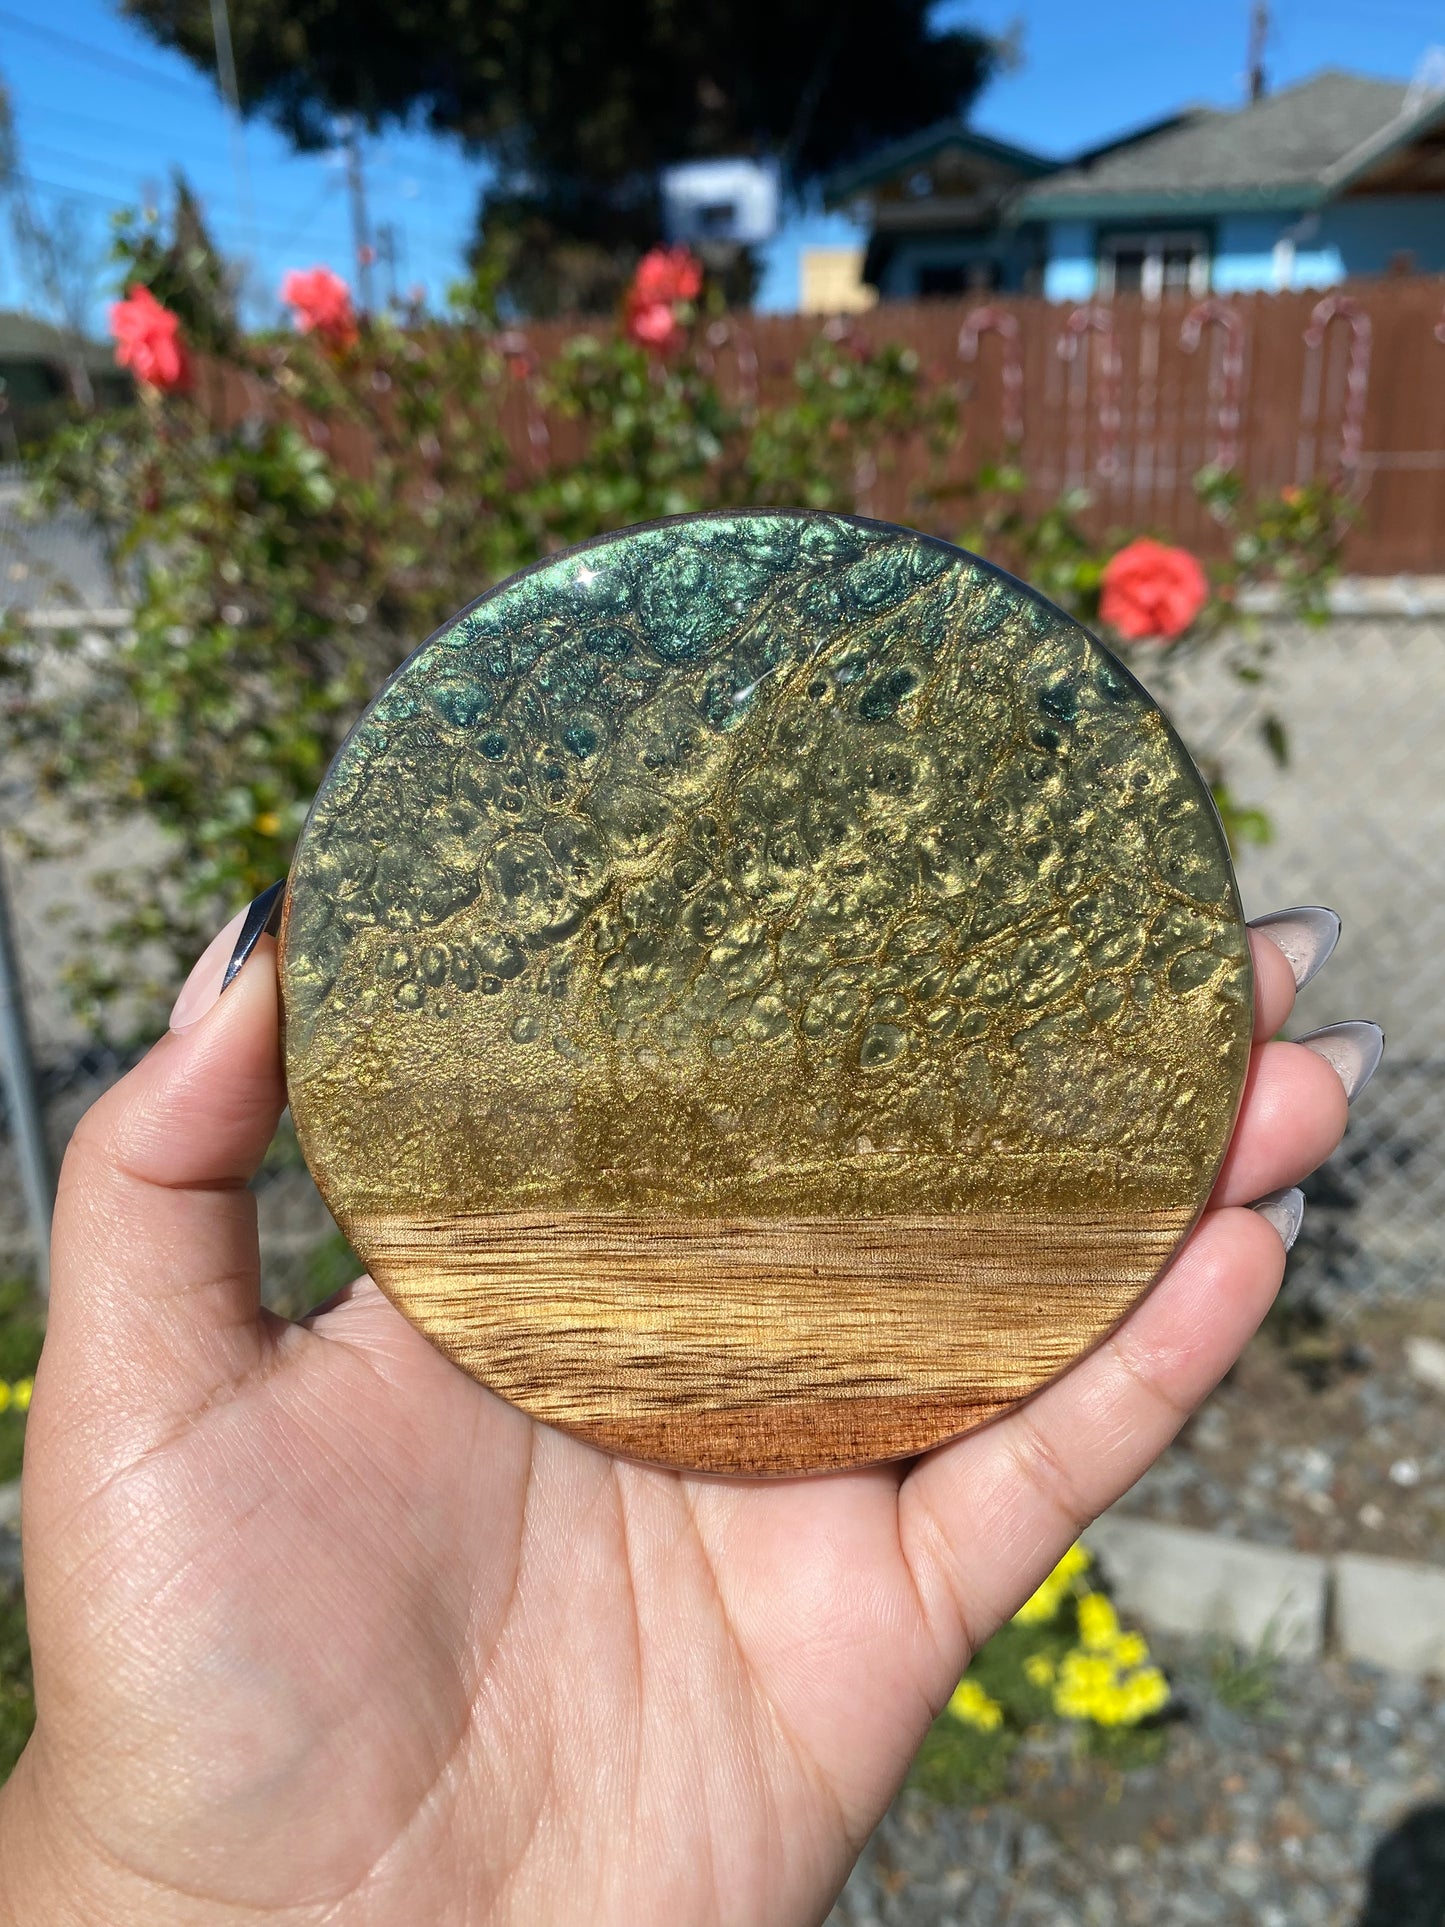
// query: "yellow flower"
[[1077, 1559], [1044, 1605], [267, 823], [1130, 1650], [20, 1393], [4, 1396], [1039, 1670], [1098, 1622], [1147, 1692], [1108, 1678], [971, 1704]]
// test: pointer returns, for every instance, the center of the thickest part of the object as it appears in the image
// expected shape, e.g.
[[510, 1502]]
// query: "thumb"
[[155, 1266]]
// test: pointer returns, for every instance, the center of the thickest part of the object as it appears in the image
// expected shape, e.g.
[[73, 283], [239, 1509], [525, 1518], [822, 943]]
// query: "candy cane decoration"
[[718, 336], [1440, 328], [1341, 307], [516, 351], [1097, 320], [1226, 378], [999, 321]]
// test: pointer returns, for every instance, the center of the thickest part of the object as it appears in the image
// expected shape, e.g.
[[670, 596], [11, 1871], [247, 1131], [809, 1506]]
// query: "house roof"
[[917, 149], [1296, 148], [27, 337]]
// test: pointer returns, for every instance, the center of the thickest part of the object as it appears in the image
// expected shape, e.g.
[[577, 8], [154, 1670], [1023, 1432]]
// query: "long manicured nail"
[[1352, 1049], [222, 958], [1307, 936], [1285, 1210], [263, 919]]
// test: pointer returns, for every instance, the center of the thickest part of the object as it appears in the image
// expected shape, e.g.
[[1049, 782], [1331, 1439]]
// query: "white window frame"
[[1152, 245]]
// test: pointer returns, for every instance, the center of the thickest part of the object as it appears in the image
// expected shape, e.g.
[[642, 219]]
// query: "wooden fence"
[[1126, 399], [1129, 399]]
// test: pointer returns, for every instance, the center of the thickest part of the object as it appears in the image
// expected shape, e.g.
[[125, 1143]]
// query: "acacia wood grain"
[[767, 1346]]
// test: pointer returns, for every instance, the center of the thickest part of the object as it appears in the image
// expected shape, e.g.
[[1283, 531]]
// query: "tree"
[[186, 273], [57, 251], [579, 102]]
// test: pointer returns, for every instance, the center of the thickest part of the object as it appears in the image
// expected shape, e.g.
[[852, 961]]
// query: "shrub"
[[285, 550]]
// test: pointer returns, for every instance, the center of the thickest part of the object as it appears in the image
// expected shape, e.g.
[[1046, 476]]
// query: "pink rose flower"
[[321, 302], [1151, 590], [148, 340]]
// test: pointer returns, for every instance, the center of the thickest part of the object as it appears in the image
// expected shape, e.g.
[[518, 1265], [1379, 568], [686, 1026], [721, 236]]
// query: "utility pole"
[[360, 230], [27, 1120], [1258, 38], [388, 255], [226, 74]]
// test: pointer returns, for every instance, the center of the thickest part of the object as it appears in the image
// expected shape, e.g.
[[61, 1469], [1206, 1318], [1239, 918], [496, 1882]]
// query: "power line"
[[219, 216], [295, 232], [91, 162], [146, 134], [115, 63]]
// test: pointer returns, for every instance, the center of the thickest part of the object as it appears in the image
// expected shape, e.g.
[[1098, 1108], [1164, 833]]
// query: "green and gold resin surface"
[[764, 991]]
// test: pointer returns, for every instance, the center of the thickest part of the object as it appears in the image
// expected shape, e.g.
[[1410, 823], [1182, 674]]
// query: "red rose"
[[666, 274], [654, 326], [664, 277], [1150, 589], [322, 304], [148, 340]]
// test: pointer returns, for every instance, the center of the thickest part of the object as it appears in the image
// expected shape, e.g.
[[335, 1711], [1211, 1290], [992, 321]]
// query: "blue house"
[[1339, 176]]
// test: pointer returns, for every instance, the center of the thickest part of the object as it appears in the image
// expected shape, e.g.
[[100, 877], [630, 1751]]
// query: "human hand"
[[325, 1632]]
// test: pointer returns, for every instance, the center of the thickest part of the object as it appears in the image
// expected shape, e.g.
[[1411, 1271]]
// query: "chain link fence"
[[1358, 819]]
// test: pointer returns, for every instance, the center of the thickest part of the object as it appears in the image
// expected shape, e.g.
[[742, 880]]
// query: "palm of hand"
[[449, 1639], [325, 1632]]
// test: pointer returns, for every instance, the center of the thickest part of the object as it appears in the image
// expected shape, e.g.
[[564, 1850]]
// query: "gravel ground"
[[1355, 1463], [1252, 1819]]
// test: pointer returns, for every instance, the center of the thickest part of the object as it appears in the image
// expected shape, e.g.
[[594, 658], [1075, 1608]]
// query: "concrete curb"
[[1179, 1581], [1387, 1612]]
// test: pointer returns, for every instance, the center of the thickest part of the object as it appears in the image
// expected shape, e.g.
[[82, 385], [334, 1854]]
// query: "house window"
[[956, 277], [717, 218], [1154, 264]]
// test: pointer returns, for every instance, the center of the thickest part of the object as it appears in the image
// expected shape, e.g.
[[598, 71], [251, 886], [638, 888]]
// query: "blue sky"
[[104, 113]]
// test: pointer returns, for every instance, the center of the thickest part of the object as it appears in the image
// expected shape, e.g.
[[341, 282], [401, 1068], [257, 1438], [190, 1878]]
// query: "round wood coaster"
[[764, 992]]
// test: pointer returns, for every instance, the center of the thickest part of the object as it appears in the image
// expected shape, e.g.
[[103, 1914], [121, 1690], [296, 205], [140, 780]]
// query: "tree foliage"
[[580, 102], [600, 89], [184, 269]]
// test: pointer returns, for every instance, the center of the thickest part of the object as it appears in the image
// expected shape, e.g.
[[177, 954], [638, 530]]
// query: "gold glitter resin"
[[764, 991]]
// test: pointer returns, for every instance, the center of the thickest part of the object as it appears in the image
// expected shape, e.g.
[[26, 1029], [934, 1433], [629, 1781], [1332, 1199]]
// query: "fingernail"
[[263, 919], [1352, 1049], [222, 958], [1307, 936], [1285, 1210]]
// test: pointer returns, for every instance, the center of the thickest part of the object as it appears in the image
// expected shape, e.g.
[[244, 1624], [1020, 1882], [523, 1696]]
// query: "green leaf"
[[1273, 731]]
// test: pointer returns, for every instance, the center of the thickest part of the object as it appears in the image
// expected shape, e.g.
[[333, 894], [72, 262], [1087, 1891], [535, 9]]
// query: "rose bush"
[[275, 585], [281, 563]]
